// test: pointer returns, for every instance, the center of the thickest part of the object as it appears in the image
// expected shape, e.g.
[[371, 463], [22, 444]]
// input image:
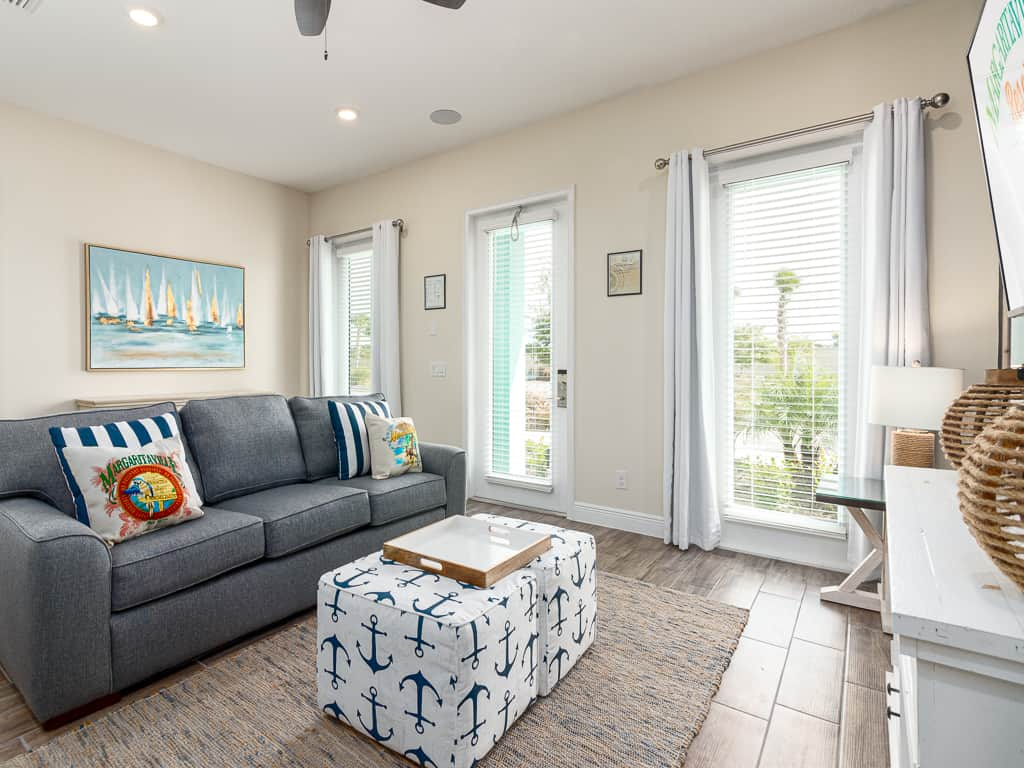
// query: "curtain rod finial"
[[661, 164], [938, 101]]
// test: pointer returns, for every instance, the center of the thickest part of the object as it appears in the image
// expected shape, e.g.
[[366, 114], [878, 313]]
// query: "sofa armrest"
[[54, 607], [449, 462]]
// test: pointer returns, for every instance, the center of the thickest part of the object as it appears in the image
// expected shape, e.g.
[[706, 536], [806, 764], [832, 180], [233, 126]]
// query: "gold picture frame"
[[195, 330]]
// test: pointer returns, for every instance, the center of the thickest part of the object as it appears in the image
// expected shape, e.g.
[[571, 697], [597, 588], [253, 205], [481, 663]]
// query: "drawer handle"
[[889, 714], [890, 690]]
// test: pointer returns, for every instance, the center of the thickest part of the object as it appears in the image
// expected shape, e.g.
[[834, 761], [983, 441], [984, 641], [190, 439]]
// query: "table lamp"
[[914, 401]]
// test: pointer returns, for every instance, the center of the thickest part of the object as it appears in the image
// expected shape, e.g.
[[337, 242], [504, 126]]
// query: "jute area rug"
[[636, 699]]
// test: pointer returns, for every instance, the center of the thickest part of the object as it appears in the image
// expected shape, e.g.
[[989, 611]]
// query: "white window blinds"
[[520, 351], [354, 291], [783, 242]]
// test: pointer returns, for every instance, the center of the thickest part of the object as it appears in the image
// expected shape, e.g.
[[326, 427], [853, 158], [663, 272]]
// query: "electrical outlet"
[[439, 370], [620, 480]]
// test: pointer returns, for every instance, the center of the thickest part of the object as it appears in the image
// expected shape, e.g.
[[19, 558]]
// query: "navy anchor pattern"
[[567, 580], [426, 666]]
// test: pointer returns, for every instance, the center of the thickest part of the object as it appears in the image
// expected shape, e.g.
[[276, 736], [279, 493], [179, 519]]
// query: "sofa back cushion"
[[28, 461], [243, 444], [316, 432]]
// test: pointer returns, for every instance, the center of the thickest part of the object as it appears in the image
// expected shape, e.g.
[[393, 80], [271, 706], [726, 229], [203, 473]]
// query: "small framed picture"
[[626, 273], [434, 296]]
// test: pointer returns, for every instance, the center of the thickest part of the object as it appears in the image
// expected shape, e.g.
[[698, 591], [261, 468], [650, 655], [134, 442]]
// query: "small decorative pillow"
[[131, 491], [119, 434], [350, 434], [394, 447]]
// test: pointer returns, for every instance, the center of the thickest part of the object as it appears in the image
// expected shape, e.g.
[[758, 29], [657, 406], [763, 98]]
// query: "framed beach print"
[[434, 292], [145, 311], [626, 273]]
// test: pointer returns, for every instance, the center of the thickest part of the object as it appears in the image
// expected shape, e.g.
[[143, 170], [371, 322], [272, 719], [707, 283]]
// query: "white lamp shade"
[[912, 397]]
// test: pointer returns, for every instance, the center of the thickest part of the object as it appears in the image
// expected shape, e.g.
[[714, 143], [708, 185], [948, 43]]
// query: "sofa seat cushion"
[[397, 497], [172, 559], [301, 515]]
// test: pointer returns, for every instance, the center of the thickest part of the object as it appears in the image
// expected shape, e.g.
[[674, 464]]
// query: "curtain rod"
[[938, 101], [400, 223]]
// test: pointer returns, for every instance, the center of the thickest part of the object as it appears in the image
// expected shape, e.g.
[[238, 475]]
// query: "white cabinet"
[[956, 692]]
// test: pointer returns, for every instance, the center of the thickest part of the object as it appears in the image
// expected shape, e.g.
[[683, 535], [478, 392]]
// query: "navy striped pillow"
[[350, 434], [120, 434]]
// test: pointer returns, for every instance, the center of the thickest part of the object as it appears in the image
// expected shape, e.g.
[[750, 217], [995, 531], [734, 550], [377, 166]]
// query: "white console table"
[[956, 694]]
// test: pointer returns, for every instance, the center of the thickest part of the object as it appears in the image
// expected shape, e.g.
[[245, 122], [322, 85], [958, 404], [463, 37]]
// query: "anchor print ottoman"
[[431, 668], [567, 578]]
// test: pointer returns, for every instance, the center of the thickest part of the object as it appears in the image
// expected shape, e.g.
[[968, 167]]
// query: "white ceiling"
[[231, 82]]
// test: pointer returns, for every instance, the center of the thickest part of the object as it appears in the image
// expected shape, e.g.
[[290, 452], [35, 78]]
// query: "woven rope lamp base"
[[991, 481], [912, 448]]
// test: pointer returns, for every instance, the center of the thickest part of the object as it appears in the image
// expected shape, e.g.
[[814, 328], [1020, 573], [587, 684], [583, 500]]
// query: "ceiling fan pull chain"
[[325, 41]]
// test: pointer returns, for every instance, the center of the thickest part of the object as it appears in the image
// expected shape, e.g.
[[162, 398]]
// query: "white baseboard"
[[791, 546], [622, 519]]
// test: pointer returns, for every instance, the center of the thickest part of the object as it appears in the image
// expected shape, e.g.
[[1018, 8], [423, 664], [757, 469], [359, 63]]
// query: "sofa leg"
[[83, 711]]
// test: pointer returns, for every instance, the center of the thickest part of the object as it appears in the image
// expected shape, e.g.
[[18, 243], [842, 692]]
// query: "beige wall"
[[607, 152], [62, 185]]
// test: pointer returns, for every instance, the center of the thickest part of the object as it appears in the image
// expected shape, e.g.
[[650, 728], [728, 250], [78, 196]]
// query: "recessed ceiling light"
[[445, 116], [347, 114], [143, 18]]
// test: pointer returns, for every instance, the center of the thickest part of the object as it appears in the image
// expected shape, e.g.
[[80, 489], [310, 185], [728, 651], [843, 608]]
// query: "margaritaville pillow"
[[126, 492], [394, 447], [119, 434], [350, 434]]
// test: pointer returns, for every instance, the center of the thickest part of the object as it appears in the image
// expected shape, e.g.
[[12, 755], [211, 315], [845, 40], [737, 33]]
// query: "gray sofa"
[[80, 620]]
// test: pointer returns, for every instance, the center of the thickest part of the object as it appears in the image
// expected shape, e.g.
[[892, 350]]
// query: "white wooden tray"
[[473, 551]]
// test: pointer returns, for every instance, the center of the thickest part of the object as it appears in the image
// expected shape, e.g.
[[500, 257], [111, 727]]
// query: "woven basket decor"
[[991, 480], [976, 408]]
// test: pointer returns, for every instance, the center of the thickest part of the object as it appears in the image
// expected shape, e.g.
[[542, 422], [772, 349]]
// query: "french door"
[[519, 338]]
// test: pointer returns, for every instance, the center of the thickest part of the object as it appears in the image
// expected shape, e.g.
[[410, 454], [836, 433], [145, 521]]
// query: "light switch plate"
[[439, 370]]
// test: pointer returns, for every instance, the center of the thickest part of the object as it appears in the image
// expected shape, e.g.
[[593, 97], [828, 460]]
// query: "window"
[[520, 345], [353, 303], [782, 244]]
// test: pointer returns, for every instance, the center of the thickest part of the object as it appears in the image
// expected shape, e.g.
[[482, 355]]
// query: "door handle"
[[562, 389]]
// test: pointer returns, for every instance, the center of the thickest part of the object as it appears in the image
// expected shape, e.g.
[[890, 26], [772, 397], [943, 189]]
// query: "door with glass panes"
[[519, 322]]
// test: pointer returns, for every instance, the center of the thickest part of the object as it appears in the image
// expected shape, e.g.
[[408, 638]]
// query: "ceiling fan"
[[311, 15]]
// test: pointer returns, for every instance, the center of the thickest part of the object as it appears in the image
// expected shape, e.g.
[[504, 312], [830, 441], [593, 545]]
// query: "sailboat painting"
[[150, 312]]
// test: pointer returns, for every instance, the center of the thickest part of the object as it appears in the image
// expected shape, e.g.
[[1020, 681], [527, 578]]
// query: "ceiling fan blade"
[[311, 16], [452, 4]]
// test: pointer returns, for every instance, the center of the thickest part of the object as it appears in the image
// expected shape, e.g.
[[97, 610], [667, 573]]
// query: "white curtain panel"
[[690, 497], [386, 355], [893, 309], [322, 347]]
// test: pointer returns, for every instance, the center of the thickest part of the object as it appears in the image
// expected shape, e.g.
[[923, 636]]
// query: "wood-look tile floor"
[[804, 689]]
